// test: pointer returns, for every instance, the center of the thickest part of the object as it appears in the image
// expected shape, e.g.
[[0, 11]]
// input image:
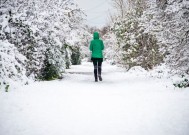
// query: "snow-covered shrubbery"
[[39, 31], [151, 32], [12, 66], [76, 56], [136, 48], [78, 44], [17, 32], [182, 84], [112, 52], [168, 21]]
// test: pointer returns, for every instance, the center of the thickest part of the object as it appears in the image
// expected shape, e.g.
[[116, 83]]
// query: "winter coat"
[[96, 46]]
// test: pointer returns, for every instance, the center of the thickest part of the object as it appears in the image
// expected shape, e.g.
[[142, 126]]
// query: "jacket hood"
[[96, 35]]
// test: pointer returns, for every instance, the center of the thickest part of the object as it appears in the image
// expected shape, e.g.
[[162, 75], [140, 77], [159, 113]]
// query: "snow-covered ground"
[[124, 103]]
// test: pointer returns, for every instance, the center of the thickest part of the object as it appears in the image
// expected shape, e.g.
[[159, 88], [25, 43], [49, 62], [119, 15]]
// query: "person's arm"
[[102, 45], [91, 47]]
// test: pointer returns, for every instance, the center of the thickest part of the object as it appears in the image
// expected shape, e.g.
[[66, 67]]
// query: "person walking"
[[96, 47]]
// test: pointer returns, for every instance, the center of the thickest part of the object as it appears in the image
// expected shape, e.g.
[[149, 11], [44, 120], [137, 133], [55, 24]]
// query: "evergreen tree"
[[39, 29], [136, 47], [168, 21]]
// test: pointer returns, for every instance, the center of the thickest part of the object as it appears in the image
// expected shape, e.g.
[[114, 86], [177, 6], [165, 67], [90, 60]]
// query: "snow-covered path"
[[123, 104]]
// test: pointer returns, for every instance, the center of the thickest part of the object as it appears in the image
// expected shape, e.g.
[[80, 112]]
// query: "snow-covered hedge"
[[168, 21], [12, 69], [39, 31], [136, 48], [150, 32]]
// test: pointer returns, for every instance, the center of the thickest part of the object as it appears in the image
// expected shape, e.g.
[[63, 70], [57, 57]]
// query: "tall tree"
[[168, 20]]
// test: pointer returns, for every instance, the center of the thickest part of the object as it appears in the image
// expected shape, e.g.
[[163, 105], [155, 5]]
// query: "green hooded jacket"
[[96, 46]]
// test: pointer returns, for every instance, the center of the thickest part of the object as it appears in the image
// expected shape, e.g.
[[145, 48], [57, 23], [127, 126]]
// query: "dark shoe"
[[96, 80], [100, 78]]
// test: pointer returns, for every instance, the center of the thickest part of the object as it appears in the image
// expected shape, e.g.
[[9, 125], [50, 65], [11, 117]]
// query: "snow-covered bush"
[[136, 47], [49, 71], [79, 44], [168, 21], [182, 84], [84, 43], [39, 30], [181, 81], [153, 31], [76, 55], [12, 69], [23, 37], [112, 53], [68, 53]]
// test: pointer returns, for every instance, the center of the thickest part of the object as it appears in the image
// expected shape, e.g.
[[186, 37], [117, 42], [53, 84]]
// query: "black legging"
[[97, 62]]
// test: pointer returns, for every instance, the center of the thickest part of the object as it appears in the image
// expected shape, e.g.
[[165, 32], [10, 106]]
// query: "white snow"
[[124, 103]]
